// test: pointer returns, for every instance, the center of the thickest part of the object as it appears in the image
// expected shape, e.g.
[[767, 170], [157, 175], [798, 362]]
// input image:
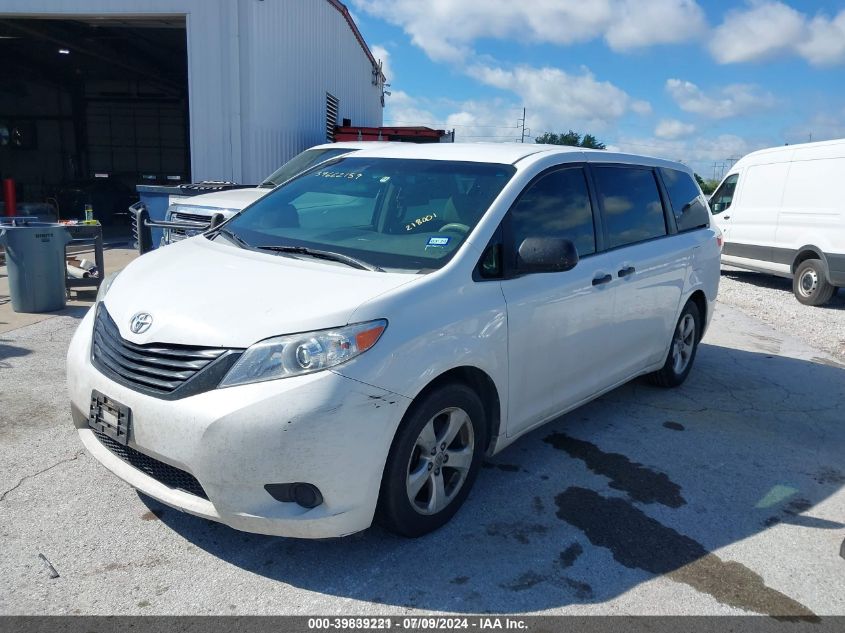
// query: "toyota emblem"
[[141, 322]]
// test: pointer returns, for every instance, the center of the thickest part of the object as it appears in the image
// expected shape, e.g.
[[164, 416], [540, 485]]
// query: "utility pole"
[[522, 123]]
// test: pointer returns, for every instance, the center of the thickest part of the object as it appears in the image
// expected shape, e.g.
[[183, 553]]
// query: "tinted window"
[[557, 205], [724, 195], [685, 196], [631, 203], [394, 213]]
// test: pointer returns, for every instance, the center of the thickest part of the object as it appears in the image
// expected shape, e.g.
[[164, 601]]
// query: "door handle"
[[604, 279], [628, 270], [727, 217]]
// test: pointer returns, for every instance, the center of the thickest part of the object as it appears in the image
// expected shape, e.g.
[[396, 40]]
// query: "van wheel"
[[682, 350], [433, 462], [809, 284]]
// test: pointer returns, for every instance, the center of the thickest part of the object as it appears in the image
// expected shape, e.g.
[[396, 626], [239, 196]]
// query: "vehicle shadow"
[[10, 351], [774, 282], [640, 483]]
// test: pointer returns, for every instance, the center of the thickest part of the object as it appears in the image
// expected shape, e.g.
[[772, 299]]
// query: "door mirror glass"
[[546, 255]]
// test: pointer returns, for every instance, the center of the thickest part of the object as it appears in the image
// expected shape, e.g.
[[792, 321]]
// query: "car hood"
[[231, 200], [210, 293]]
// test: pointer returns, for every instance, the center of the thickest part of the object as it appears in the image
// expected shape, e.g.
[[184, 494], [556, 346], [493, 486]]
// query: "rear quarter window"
[[687, 203]]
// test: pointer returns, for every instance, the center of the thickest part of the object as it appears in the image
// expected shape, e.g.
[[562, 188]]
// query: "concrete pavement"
[[726, 496]]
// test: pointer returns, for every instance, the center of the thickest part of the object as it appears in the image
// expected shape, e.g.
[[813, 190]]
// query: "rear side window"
[[631, 205], [556, 205], [685, 196]]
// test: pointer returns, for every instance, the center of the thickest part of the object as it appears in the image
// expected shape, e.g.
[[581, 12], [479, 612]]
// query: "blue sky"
[[687, 80]]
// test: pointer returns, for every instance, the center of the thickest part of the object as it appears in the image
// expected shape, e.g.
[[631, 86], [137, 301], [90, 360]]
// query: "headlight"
[[297, 354], [103, 290]]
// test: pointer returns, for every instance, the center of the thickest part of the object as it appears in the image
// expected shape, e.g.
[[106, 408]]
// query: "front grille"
[[202, 222], [155, 368], [170, 476]]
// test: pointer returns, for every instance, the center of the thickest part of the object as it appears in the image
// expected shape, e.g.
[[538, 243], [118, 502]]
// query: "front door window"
[[724, 195]]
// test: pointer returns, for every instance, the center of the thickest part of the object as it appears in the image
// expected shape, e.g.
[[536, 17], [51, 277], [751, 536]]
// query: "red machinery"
[[406, 134]]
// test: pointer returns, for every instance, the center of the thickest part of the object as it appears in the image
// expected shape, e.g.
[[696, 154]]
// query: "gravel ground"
[[770, 299]]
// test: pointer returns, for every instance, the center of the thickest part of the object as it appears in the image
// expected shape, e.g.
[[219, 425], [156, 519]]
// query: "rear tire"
[[433, 461], [682, 349], [810, 285]]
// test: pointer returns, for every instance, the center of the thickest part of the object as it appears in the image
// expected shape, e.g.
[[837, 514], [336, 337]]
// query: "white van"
[[782, 211], [196, 212], [352, 345]]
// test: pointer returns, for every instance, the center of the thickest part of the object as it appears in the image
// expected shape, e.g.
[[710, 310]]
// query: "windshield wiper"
[[237, 239], [329, 255]]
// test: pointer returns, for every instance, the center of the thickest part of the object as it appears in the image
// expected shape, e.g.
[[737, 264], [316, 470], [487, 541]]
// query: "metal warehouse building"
[[163, 91]]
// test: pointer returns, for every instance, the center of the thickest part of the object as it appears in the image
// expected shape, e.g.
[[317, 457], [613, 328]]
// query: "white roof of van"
[[800, 151]]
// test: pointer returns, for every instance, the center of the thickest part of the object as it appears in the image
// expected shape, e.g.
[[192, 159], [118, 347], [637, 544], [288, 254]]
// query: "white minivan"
[[353, 344], [781, 211]]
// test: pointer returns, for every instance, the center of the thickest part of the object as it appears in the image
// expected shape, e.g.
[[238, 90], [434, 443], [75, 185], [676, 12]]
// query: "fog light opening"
[[303, 494]]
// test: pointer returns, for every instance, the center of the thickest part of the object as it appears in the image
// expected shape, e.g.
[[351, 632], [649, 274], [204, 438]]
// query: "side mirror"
[[216, 220], [546, 255]]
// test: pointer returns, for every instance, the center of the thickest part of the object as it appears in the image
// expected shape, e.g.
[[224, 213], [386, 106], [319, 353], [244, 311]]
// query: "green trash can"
[[35, 260]]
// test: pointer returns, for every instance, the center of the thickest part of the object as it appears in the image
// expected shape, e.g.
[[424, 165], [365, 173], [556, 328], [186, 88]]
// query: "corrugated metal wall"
[[297, 51], [258, 74]]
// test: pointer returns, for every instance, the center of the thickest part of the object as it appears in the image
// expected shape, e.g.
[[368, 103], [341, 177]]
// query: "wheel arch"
[[700, 300], [479, 381], [808, 252]]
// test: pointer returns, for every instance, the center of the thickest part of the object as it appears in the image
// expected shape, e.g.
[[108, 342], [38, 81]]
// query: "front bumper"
[[321, 428]]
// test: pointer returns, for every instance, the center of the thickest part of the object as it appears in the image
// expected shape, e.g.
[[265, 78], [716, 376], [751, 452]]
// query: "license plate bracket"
[[110, 418]]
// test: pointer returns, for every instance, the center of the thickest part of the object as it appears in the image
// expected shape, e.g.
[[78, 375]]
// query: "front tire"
[[810, 286], [433, 461], [682, 349]]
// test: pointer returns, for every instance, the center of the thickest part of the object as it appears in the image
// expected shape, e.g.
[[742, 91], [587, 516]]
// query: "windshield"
[[390, 213], [301, 162]]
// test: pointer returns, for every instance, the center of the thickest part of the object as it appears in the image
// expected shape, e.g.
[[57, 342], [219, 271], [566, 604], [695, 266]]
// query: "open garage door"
[[91, 107]]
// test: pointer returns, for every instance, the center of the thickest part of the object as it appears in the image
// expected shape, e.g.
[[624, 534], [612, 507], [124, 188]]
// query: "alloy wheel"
[[683, 343], [440, 460]]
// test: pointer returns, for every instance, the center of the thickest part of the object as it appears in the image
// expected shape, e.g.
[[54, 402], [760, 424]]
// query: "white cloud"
[[699, 152], [671, 129], [495, 121], [381, 53], [729, 101], [446, 29], [641, 24], [826, 43], [402, 109], [769, 29], [556, 99]]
